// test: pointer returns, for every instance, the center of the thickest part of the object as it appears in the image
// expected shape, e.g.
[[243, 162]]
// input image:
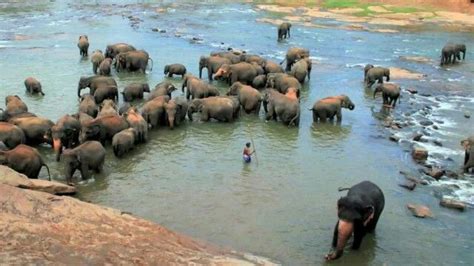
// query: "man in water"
[[247, 153]]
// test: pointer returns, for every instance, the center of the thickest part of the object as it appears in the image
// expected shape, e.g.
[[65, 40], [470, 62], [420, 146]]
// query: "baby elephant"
[[175, 69], [135, 91], [468, 145], [390, 93], [124, 141], [33, 86], [358, 213], [88, 156], [83, 45]]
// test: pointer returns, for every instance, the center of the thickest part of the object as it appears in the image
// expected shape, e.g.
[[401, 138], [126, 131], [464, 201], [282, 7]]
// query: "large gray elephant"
[[90, 155], [154, 112], [176, 111], [468, 145], [24, 159], [113, 50], [96, 58], [243, 72], [161, 89], [294, 54], [11, 135], [301, 69], [106, 92], [249, 98], [83, 44], [232, 56], [133, 61], [175, 69], [278, 106], [272, 67], [124, 141], [197, 88], [88, 105], [135, 120], [35, 128], [390, 93], [218, 108], [33, 86], [135, 91], [65, 133], [376, 74], [15, 106], [253, 58], [284, 31], [94, 82], [103, 128], [212, 63], [282, 82], [329, 107], [259, 82]]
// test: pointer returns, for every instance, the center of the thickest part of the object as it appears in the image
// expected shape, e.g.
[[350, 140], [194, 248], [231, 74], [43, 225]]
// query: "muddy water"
[[192, 179]]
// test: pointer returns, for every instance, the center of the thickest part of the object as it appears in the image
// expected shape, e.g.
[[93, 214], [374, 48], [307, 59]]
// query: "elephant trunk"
[[79, 91], [200, 71], [57, 147], [171, 122], [345, 229]]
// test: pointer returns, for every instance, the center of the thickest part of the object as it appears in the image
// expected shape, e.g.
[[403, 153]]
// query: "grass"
[[396, 9], [340, 3]]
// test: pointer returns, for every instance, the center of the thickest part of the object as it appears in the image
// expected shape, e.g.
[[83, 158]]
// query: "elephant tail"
[[49, 173], [151, 68]]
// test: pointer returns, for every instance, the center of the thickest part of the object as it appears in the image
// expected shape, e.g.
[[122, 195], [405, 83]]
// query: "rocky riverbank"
[[40, 228]]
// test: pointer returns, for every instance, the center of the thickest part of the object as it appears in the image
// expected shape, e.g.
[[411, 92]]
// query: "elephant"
[[113, 50], [259, 68], [358, 213], [292, 93], [83, 119], [232, 56], [133, 61], [124, 141], [35, 128], [284, 31], [460, 48], [301, 69], [105, 67], [103, 128], [449, 54], [249, 98], [175, 69], [33, 86], [83, 45], [468, 145], [88, 105], [218, 108], [278, 106], [11, 135], [243, 72], [124, 108], [376, 74], [197, 88], [176, 110], [390, 93], [90, 155], [135, 91], [235, 105], [65, 133], [106, 92], [259, 82], [366, 69], [15, 106], [272, 67], [282, 81], [293, 54], [25, 160], [331, 106], [154, 112], [161, 89], [93, 82], [107, 107], [252, 58], [212, 63], [136, 121], [96, 58]]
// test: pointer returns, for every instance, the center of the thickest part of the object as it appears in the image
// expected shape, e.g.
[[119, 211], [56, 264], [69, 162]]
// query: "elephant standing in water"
[[135, 120], [243, 72], [249, 98], [175, 69], [65, 133], [197, 88], [358, 213], [103, 128], [162, 89], [133, 61], [88, 156], [24, 159], [218, 108], [278, 106], [301, 69], [124, 141], [212, 63], [282, 82], [11, 135], [468, 145], [35, 128], [329, 107], [154, 112], [83, 45], [176, 110], [96, 58], [33, 86], [87, 105], [460, 48], [376, 74], [113, 50], [15, 106], [135, 91], [390, 93], [105, 67], [294, 54], [284, 30]]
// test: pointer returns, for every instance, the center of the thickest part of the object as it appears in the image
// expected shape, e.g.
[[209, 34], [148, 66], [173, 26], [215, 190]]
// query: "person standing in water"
[[247, 153]]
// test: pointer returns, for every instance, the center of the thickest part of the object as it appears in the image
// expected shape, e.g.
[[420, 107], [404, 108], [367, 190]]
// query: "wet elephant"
[[107, 107], [272, 67], [212, 63], [133, 61], [124, 141], [106, 92], [329, 107], [175, 69], [358, 213], [33, 86], [35, 128], [259, 82], [105, 67], [15, 106], [11, 135], [279, 107], [390, 93], [94, 82], [135, 120], [197, 88], [65, 133], [366, 69], [252, 58], [468, 145], [113, 50], [88, 105], [135, 91], [161, 89], [448, 54], [301, 69], [293, 54], [376, 74], [86, 157], [284, 31], [249, 98], [218, 108], [176, 111], [242, 72], [281, 82], [124, 108], [154, 112], [103, 128], [234, 58], [24, 159], [96, 58], [83, 45], [458, 49]]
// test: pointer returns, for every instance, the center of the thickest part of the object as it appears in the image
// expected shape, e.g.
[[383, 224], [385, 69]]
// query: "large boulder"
[[11, 177], [40, 228]]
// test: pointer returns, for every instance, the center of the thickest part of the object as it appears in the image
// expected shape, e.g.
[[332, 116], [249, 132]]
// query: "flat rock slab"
[[400, 73], [420, 211], [418, 59], [12, 178], [38, 228], [453, 204]]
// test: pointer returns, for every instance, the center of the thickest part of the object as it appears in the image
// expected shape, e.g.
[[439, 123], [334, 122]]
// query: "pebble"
[[420, 211], [467, 115]]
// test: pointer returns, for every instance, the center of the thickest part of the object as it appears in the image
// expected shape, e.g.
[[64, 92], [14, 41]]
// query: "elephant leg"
[[380, 80], [370, 83], [359, 232], [210, 71], [334, 237], [85, 171], [205, 115], [339, 115], [270, 112], [323, 115]]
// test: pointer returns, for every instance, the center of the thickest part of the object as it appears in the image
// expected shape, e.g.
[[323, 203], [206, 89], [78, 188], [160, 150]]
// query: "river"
[[192, 179]]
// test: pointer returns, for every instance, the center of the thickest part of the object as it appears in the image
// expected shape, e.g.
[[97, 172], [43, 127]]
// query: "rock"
[[435, 127], [438, 143], [394, 138], [420, 211], [410, 185], [155, 29], [162, 31], [453, 204], [12, 178], [67, 229], [417, 137], [419, 154], [467, 115], [158, 30], [435, 173], [426, 123], [413, 179], [412, 91]]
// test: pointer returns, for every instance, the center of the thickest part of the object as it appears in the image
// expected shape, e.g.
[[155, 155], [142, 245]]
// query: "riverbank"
[[40, 228]]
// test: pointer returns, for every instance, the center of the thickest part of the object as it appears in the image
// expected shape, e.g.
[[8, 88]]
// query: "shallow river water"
[[192, 179]]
